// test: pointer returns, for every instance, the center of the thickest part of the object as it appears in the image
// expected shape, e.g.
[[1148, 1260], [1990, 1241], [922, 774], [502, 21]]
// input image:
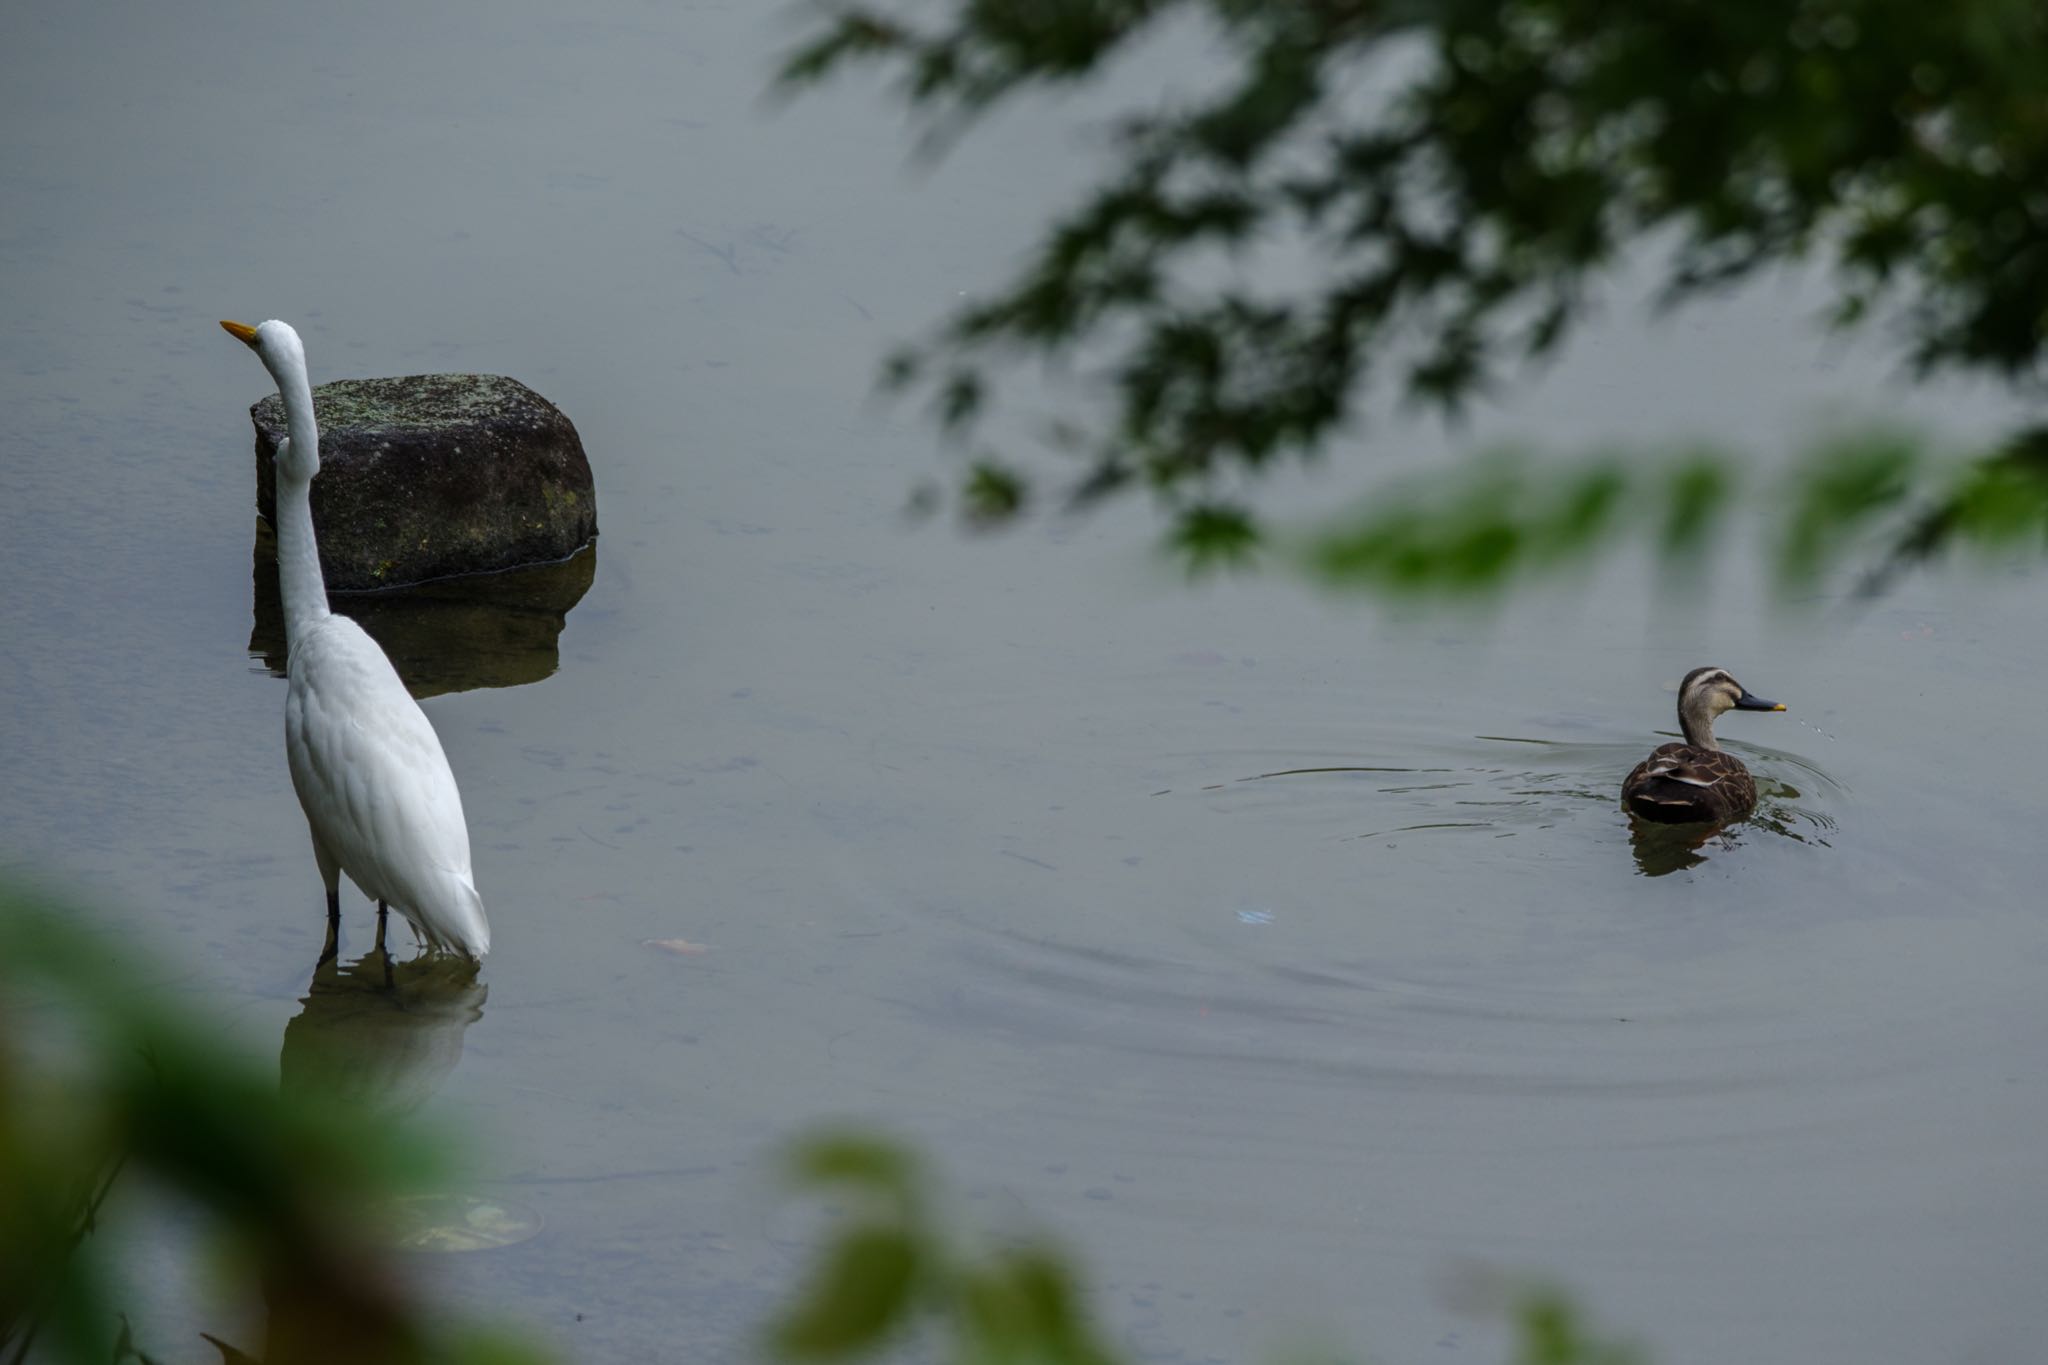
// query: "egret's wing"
[[374, 781]]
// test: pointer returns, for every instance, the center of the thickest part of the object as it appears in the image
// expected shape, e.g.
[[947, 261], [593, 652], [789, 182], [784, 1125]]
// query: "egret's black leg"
[[333, 924], [383, 915]]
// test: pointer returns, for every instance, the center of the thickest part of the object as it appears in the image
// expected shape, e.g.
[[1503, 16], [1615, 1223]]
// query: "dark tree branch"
[[1459, 217]]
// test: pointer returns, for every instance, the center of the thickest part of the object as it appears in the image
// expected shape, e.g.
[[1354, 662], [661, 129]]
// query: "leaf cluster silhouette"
[[1460, 173]]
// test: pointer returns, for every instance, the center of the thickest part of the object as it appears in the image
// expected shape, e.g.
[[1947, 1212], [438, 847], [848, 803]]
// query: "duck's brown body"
[[1697, 781], [1679, 784]]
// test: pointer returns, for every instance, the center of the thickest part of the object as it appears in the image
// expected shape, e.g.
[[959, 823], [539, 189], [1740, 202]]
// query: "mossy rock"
[[433, 475]]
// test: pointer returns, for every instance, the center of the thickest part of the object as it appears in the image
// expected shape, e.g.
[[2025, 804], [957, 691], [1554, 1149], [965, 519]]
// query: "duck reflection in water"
[[381, 1034], [1662, 849]]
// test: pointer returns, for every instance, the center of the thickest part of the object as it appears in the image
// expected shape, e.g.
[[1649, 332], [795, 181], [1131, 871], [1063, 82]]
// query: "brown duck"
[[1697, 781]]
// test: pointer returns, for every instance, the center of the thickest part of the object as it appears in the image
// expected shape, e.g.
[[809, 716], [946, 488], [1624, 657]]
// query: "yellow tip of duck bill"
[[240, 331]]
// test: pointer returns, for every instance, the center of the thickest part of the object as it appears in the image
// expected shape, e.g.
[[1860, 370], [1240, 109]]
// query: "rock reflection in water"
[[450, 635], [379, 1033]]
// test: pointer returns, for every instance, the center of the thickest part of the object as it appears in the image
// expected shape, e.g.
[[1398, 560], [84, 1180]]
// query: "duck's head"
[[1710, 692]]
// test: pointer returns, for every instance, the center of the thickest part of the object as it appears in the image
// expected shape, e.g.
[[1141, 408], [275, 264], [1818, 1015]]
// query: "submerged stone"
[[433, 475]]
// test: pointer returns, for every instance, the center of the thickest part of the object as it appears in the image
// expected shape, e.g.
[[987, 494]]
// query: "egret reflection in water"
[[380, 1033]]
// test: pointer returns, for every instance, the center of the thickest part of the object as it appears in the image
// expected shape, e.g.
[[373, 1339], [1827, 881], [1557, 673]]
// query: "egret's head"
[[275, 343], [1711, 691], [279, 348]]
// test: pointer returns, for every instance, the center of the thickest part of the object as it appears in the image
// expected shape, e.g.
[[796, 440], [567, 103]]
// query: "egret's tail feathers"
[[456, 921], [470, 932]]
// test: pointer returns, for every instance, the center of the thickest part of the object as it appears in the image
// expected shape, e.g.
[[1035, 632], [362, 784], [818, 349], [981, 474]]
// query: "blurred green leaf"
[[1698, 490], [229, 1355], [118, 1086], [1023, 1307], [994, 494], [1473, 529], [1838, 493], [494, 1347], [861, 1291], [2004, 500], [1510, 517], [1024, 1304], [1552, 1330], [1212, 537], [846, 1158]]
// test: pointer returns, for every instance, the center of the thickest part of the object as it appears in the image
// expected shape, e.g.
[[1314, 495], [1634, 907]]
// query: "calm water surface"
[[1280, 955]]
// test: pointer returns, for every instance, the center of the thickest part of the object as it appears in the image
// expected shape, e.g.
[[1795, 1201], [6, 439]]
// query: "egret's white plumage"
[[376, 788]]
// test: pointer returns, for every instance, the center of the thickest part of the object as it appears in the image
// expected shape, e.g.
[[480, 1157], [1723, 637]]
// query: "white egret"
[[368, 768]]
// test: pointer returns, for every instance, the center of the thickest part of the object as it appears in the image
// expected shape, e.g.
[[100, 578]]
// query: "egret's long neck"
[[298, 555], [1695, 718]]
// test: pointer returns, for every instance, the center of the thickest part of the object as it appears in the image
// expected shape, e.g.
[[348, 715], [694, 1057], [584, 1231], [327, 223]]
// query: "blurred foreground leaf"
[[104, 1083], [859, 1293], [889, 1274], [891, 1269], [1553, 1330], [1874, 502], [857, 1161]]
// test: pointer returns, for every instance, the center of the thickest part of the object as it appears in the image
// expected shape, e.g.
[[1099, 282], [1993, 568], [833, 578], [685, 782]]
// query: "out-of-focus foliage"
[[1549, 1327], [1877, 499], [1459, 172], [890, 1267], [890, 1274], [104, 1087]]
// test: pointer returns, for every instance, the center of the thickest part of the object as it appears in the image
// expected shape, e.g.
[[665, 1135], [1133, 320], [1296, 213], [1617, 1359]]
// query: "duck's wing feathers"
[[1678, 782]]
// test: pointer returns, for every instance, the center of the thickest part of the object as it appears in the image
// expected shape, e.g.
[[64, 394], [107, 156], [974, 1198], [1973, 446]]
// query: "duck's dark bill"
[[1751, 702]]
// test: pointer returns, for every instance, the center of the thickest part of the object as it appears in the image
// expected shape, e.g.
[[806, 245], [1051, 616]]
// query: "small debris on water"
[[681, 946], [1255, 916]]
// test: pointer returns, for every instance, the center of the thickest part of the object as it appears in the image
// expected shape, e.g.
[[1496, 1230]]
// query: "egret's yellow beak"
[[240, 331]]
